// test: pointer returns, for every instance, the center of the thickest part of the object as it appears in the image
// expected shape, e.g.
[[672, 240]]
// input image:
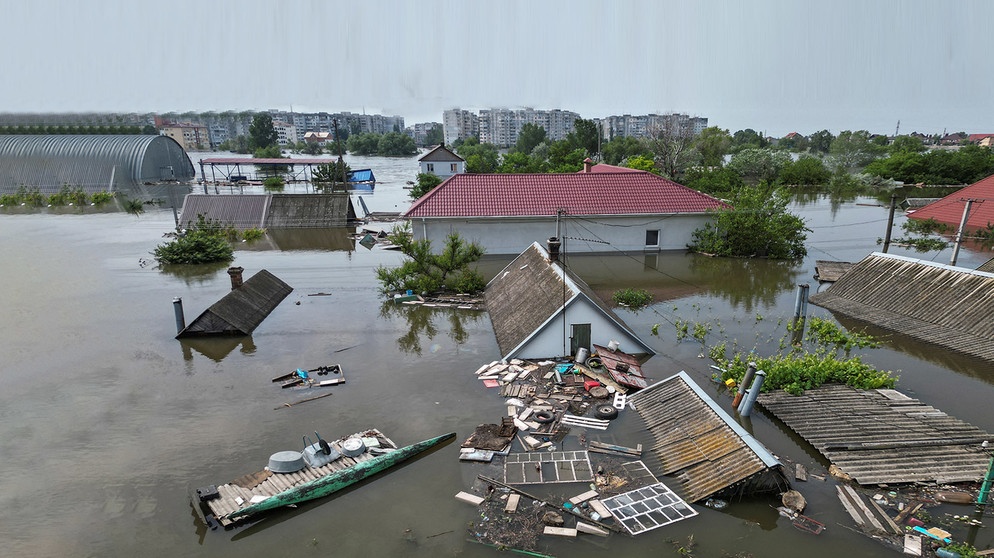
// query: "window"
[[431, 167], [652, 239], [452, 167]]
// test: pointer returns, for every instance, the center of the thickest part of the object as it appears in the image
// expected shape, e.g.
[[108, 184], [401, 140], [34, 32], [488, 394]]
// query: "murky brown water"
[[108, 422]]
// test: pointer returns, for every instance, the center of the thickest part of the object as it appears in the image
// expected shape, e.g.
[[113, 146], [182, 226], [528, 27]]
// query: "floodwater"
[[109, 423]]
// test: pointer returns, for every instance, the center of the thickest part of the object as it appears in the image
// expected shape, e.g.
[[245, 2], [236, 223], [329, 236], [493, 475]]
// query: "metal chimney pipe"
[[178, 311], [554, 244], [743, 388], [750, 400]]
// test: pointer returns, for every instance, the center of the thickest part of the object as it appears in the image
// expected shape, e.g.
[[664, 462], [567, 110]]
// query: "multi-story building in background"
[[648, 125], [192, 137], [459, 124], [286, 133], [419, 132], [501, 126]]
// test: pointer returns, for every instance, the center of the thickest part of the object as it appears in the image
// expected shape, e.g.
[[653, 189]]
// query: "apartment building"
[[193, 137], [459, 124], [647, 125]]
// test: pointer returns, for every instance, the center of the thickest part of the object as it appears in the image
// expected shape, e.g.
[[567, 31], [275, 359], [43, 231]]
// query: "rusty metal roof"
[[882, 436], [699, 443], [941, 304]]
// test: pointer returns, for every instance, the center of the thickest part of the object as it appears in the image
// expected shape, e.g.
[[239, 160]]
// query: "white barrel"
[[613, 345]]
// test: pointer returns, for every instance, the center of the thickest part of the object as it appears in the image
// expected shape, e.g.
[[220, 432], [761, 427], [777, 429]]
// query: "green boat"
[[335, 481], [292, 477]]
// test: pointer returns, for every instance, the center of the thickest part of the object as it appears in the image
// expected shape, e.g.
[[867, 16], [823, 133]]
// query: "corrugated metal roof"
[[882, 436], [949, 210], [531, 291], [277, 211], [362, 175], [242, 310], [700, 443], [584, 193], [948, 306], [48, 162]]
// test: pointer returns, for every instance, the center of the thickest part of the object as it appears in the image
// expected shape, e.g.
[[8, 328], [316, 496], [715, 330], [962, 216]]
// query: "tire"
[[544, 417], [605, 412], [594, 362]]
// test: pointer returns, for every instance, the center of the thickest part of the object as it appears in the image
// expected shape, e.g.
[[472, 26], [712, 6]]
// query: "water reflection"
[[216, 348], [421, 323], [746, 283], [964, 364], [194, 275], [286, 240]]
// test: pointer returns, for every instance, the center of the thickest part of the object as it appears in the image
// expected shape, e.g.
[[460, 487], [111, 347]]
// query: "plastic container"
[[581, 355]]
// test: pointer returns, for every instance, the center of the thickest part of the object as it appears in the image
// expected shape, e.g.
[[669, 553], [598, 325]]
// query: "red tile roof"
[[977, 137], [583, 193], [950, 208], [604, 167]]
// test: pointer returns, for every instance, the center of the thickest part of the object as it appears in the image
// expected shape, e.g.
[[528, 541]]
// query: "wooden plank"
[[600, 508], [848, 505], [579, 499], [559, 531], [800, 473], [512, 503], [469, 498], [582, 527], [858, 501], [887, 520]]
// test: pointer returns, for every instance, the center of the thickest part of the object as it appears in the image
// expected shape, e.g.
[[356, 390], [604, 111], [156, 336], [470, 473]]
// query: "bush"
[[274, 184], [633, 299], [204, 242]]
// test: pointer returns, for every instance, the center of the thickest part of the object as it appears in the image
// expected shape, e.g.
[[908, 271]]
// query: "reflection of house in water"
[[216, 348], [240, 311], [287, 240]]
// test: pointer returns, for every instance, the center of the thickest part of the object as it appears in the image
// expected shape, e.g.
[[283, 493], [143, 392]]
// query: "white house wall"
[[551, 341], [443, 169], [513, 235]]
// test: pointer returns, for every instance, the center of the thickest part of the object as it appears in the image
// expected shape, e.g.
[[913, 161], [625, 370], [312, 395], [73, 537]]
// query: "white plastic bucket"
[[613, 345]]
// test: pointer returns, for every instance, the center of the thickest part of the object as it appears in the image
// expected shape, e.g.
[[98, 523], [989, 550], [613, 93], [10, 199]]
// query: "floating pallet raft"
[[827, 271], [265, 483], [882, 436]]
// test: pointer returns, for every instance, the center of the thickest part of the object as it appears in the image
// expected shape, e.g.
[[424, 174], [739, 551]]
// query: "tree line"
[[148, 129]]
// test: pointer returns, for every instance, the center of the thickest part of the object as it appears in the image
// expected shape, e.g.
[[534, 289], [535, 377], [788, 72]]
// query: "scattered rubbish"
[[302, 378], [716, 504]]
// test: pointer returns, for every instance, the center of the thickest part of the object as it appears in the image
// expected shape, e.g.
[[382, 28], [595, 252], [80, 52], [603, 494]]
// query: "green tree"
[[721, 182], [565, 157], [906, 144], [852, 150], [747, 139], [759, 226], [396, 144], [426, 182], [806, 171], [480, 157], [434, 136], [262, 134], [585, 135], [641, 163], [621, 148], [756, 165], [821, 141], [713, 144], [331, 174], [147, 130], [517, 162], [363, 144], [429, 273], [529, 137]]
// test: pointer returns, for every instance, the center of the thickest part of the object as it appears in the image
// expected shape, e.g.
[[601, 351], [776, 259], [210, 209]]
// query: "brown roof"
[[530, 290], [242, 310], [700, 443]]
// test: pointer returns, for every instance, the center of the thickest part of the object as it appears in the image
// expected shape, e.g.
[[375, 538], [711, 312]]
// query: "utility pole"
[[890, 221], [962, 226]]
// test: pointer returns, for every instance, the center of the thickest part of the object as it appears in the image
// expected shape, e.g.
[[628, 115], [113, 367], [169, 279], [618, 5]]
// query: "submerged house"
[[696, 441], [947, 306], [950, 209], [600, 209], [271, 211], [540, 309], [242, 310]]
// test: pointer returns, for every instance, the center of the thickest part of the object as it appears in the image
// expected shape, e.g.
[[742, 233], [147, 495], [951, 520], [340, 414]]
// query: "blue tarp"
[[362, 175]]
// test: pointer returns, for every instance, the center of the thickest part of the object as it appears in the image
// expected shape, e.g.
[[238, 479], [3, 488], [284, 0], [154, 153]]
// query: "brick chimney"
[[587, 164], [236, 276], [553, 245]]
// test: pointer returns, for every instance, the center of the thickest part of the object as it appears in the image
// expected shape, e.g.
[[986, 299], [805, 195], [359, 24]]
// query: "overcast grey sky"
[[772, 65]]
